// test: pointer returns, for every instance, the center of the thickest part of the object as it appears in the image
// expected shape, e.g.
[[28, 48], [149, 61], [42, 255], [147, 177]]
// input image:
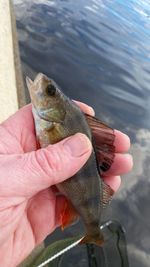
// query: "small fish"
[[57, 117]]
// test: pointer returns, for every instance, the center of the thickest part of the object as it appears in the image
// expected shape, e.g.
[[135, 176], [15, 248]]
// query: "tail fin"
[[96, 239]]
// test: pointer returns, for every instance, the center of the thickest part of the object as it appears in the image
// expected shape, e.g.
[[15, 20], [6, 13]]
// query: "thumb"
[[29, 173]]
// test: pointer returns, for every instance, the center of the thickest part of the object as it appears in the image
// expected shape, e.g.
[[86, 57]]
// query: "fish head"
[[47, 99]]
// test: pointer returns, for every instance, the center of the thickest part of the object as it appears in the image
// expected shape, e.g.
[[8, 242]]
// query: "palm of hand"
[[28, 214], [27, 220]]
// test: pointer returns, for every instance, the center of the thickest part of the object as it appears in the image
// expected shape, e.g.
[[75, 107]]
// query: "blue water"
[[99, 52]]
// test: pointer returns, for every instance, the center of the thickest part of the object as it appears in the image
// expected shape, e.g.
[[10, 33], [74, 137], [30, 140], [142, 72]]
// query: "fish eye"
[[51, 90]]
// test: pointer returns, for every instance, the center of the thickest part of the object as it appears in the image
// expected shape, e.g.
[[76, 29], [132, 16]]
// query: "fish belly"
[[83, 191]]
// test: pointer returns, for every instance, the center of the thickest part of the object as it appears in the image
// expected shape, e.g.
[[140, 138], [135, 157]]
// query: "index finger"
[[122, 141], [85, 108]]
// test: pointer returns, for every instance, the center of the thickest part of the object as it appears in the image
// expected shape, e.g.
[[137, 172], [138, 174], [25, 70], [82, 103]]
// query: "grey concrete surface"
[[12, 93], [11, 85]]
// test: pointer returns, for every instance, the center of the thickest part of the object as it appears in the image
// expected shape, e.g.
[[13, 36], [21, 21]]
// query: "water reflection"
[[99, 52]]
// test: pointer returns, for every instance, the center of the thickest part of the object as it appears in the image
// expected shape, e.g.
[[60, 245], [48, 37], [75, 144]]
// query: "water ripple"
[[99, 52]]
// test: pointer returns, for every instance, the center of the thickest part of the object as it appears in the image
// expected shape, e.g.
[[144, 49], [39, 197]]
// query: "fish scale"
[[57, 117]]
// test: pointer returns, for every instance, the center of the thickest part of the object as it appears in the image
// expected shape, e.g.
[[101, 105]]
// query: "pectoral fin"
[[69, 215]]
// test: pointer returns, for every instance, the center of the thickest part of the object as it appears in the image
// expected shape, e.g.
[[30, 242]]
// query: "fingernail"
[[77, 145], [92, 111], [129, 157]]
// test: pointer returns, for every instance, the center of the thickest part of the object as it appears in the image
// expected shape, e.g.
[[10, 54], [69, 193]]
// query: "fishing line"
[[63, 251], [60, 253]]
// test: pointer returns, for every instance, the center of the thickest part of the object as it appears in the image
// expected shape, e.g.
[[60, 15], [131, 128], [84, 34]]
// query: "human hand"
[[29, 208]]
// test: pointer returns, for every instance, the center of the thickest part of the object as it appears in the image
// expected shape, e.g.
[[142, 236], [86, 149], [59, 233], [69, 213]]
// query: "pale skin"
[[29, 207]]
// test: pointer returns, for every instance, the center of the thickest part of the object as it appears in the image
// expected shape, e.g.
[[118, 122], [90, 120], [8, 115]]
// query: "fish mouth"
[[40, 76]]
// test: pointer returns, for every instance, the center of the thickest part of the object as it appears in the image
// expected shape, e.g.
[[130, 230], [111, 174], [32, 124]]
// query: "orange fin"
[[103, 141], [69, 215], [108, 193], [38, 143], [98, 240]]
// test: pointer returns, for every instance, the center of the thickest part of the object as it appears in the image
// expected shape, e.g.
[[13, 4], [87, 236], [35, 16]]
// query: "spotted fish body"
[[57, 117]]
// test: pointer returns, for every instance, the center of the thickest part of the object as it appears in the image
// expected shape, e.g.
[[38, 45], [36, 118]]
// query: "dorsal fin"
[[103, 142]]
